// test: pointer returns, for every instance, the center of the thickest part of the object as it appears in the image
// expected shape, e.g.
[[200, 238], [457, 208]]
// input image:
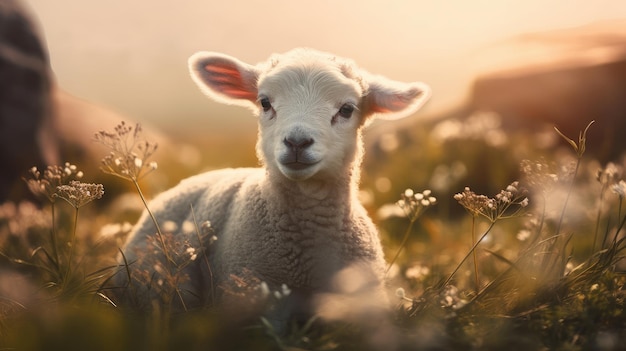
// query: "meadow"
[[495, 238]]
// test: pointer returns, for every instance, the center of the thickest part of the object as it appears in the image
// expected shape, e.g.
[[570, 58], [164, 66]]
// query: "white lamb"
[[296, 220]]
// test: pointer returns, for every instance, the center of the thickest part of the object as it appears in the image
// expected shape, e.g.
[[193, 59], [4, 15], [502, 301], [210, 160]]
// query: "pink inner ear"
[[394, 102], [229, 81]]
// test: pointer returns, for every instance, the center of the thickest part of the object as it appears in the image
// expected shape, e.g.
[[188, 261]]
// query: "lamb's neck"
[[337, 194]]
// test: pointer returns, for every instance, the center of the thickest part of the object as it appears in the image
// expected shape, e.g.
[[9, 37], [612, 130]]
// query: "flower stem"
[[595, 236], [168, 258], [72, 246], [477, 282], [53, 238], [404, 240], [468, 254], [569, 193]]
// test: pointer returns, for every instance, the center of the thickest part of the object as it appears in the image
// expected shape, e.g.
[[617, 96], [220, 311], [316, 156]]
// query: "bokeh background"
[[530, 62], [131, 56]]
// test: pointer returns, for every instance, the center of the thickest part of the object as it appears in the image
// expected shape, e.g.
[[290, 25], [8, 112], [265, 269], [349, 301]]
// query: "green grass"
[[534, 263]]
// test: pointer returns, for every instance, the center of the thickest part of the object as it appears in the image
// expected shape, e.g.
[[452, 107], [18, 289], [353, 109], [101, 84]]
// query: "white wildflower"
[[400, 293], [285, 290], [265, 290], [417, 272], [169, 226], [188, 227], [523, 234], [192, 253], [619, 189]]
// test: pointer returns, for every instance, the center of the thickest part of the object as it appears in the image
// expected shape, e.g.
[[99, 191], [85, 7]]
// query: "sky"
[[131, 55]]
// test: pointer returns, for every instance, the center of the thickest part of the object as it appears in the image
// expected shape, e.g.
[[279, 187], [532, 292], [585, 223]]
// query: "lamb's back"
[[204, 197]]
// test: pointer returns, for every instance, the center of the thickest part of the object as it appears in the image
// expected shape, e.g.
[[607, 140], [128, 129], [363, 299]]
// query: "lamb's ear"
[[224, 78], [387, 99]]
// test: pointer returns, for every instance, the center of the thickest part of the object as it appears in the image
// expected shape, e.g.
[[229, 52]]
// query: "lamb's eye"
[[346, 110], [265, 103]]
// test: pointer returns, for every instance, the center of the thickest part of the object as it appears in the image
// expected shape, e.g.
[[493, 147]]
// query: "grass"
[[536, 266]]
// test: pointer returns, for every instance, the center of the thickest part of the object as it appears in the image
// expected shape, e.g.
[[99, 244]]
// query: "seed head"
[[507, 203], [129, 152], [47, 184], [414, 204], [79, 194], [619, 189]]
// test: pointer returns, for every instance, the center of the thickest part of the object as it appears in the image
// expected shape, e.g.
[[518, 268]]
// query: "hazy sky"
[[131, 55]]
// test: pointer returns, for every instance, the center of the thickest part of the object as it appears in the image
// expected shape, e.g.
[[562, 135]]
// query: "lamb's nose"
[[297, 144]]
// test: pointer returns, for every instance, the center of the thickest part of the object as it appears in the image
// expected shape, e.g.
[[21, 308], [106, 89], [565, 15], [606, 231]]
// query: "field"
[[496, 239]]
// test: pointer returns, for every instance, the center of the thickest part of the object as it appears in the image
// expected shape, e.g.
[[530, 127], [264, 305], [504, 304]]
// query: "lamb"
[[296, 221]]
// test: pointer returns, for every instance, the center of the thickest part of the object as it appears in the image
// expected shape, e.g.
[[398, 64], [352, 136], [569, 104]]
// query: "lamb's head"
[[311, 106]]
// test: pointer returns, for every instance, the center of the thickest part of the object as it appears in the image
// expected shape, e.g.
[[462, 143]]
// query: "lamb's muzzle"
[[296, 156]]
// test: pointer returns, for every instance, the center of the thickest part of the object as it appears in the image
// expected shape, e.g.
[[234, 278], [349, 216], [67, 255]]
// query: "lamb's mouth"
[[298, 166]]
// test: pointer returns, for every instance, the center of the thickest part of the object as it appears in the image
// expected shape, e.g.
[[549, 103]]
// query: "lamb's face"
[[311, 106], [309, 120]]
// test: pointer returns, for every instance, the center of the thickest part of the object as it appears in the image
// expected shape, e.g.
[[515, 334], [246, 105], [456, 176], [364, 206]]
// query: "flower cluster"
[[79, 194], [417, 272], [609, 175], [507, 203], [129, 153], [619, 189], [18, 219], [401, 294], [277, 294], [413, 204], [449, 298], [540, 175], [46, 184]]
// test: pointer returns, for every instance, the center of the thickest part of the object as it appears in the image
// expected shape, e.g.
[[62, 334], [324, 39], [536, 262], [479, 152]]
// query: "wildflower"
[[609, 175], [192, 253], [170, 226], [21, 218], [449, 298], [540, 175], [206, 228], [129, 153], [414, 204], [619, 189], [473, 203], [417, 272], [524, 202], [114, 229], [265, 290], [507, 203], [46, 184], [285, 290], [79, 194], [188, 227], [400, 293], [523, 234]]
